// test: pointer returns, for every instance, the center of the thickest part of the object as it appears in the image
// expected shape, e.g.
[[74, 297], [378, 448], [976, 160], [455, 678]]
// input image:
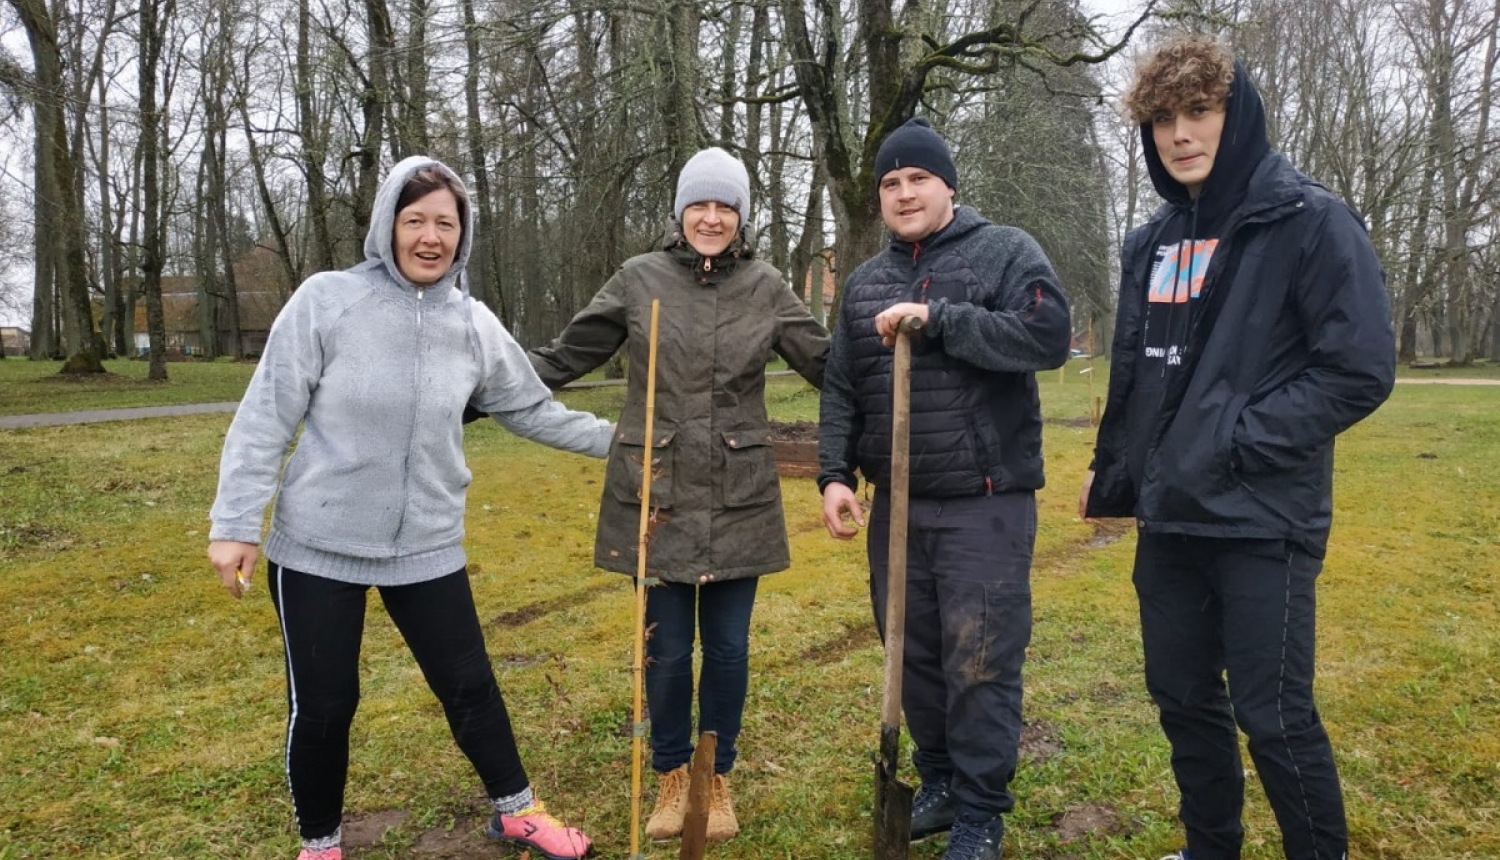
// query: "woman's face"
[[426, 237], [710, 226]]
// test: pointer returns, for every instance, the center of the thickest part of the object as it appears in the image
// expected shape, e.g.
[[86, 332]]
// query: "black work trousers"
[[968, 622], [1229, 628]]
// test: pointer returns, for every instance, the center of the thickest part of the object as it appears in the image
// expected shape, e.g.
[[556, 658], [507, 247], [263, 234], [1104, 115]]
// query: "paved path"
[[1451, 380], [91, 416]]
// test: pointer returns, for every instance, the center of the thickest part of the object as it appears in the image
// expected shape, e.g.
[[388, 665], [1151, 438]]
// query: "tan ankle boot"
[[722, 824], [671, 805]]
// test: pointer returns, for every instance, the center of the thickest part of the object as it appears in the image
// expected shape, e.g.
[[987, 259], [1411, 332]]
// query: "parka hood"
[[378, 242], [1242, 145]]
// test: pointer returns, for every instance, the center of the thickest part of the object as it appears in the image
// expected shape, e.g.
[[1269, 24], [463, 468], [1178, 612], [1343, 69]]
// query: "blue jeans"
[[722, 611]]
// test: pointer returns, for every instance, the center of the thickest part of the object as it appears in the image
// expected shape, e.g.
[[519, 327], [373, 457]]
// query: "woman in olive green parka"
[[718, 524]]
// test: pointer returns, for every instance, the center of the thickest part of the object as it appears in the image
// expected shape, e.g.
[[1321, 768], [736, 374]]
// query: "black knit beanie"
[[915, 144]]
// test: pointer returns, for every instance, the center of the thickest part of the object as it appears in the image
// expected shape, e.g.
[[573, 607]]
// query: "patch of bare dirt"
[[850, 637], [1087, 821], [368, 829], [795, 431], [461, 840], [1040, 742], [542, 608], [1107, 532]]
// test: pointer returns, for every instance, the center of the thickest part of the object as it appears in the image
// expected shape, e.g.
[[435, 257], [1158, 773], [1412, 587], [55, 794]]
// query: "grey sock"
[[513, 803], [325, 842]]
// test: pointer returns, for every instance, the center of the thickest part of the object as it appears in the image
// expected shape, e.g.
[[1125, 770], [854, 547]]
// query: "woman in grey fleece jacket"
[[376, 363]]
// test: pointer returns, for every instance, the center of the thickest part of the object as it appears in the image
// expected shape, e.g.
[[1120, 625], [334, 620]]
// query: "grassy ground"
[[141, 710], [35, 386]]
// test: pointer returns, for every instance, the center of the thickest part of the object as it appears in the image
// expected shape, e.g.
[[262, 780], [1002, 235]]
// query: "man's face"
[[914, 203], [1187, 140]]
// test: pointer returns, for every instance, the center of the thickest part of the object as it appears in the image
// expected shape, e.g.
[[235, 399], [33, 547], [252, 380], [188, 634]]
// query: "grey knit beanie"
[[713, 174], [915, 144]]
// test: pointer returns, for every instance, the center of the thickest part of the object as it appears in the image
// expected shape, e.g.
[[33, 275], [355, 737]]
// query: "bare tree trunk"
[[487, 287], [414, 108], [58, 193], [314, 143], [45, 343], [153, 18], [684, 135]]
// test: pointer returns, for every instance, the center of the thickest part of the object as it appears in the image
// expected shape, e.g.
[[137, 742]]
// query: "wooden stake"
[[638, 728]]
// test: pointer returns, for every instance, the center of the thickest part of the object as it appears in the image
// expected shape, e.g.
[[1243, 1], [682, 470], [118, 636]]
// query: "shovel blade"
[[893, 799]]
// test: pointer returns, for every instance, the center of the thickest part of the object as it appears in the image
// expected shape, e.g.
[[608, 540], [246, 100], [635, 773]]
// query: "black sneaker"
[[975, 840], [932, 810]]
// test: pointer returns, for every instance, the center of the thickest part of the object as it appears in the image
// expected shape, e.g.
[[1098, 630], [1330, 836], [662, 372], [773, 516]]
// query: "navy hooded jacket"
[[1288, 344]]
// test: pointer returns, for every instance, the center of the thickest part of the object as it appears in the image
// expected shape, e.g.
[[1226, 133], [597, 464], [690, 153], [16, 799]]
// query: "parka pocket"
[[749, 468], [627, 463]]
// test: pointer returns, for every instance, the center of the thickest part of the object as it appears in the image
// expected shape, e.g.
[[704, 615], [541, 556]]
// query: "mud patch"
[[23, 536], [1040, 742], [795, 431], [369, 829], [542, 608], [1077, 421], [1107, 532], [851, 637], [1089, 821], [462, 839]]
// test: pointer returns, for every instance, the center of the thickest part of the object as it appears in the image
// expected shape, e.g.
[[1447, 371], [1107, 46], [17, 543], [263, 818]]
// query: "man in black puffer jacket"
[[1253, 327], [994, 315]]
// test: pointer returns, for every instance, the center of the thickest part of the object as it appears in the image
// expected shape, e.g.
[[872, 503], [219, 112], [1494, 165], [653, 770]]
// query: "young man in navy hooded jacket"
[[1253, 327], [995, 314]]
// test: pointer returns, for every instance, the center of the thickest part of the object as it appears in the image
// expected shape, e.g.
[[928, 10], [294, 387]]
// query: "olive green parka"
[[715, 493]]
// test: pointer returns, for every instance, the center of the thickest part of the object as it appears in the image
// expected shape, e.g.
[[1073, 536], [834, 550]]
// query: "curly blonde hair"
[[1183, 69]]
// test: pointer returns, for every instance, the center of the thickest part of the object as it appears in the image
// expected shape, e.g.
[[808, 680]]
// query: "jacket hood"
[[1242, 145], [378, 242]]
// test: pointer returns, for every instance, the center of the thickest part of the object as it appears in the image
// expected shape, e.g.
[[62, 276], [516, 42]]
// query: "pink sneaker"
[[321, 854], [534, 828]]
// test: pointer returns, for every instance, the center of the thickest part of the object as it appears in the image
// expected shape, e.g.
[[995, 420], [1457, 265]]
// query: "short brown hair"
[[1183, 69], [429, 179]]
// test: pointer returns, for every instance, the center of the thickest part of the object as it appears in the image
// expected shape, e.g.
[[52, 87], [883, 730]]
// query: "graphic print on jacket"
[[1176, 279], [1172, 289]]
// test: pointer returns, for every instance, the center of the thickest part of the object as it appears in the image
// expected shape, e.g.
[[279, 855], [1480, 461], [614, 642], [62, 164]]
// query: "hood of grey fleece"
[[378, 242]]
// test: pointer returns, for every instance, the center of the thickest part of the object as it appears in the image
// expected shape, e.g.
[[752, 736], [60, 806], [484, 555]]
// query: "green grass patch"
[[142, 710], [28, 387]]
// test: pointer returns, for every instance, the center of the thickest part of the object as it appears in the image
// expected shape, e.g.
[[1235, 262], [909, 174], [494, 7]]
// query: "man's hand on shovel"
[[889, 320]]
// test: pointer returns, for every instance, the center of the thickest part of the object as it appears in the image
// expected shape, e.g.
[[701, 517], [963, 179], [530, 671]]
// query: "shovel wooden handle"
[[895, 595]]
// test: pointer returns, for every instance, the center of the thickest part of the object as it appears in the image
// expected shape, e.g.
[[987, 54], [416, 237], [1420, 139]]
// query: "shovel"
[[893, 798]]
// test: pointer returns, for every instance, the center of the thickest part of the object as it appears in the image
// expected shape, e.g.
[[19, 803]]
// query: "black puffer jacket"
[[996, 315], [1289, 344]]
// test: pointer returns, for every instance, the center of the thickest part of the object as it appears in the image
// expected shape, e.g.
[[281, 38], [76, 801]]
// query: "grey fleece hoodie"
[[377, 372]]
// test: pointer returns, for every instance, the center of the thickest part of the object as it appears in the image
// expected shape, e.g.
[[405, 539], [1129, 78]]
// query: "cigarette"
[[244, 582]]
